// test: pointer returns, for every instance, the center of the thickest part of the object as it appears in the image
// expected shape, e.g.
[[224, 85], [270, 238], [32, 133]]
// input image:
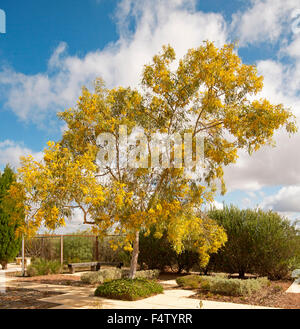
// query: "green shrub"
[[101, 276], [189, 281], [129, 289], [78, 249], [43, 267], [259, 242], [115, 273], [222, 285], [147, 274], [91, 278], [163, 254]]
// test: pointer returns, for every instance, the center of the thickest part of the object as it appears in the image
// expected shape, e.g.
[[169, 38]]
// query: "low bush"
[[115, 273], [190, 281], [147, 274], [222, 285], [129, 289], [101, 276], [43, 267]]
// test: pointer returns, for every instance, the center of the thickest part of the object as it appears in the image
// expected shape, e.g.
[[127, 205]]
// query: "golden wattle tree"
[[211, 92]]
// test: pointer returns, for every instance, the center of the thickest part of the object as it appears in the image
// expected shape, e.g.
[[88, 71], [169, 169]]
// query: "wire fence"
[[74, 248]]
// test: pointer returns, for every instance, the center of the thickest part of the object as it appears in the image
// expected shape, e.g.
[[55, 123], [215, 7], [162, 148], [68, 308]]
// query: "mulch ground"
[[272, 296], [19, 298], [56, 279]]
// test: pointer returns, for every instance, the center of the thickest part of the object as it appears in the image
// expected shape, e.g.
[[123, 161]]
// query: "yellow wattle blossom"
[[209, 92]]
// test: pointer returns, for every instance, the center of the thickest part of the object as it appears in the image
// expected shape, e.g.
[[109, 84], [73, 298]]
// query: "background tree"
[[259, 242], [163, 255], [9, 243], [209, 92]]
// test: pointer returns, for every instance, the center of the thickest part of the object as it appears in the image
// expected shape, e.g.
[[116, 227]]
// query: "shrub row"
[[222, 285], [101, 276], [106, 275]]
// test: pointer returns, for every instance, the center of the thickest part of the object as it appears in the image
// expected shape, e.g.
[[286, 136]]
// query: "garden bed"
[[19, 298], [56, 279], [274, 295]]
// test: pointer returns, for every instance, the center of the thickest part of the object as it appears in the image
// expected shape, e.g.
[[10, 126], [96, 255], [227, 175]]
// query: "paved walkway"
[[4, 279], [295, 287], [83, 298]]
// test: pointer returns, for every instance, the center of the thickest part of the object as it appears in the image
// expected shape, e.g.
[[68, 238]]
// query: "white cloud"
[[265, 20], [215, 204], [280, 165], [32, 97], [10, 153], [287, 200], [293, 48], [73, 224]]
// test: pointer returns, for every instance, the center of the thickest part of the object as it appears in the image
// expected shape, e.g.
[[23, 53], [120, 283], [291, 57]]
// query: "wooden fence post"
[[62, 250], [97, 249], [23, 256]]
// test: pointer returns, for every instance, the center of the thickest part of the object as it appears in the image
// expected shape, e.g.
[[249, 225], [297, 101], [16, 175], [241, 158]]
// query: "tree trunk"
[[242, 274], [135, 255]]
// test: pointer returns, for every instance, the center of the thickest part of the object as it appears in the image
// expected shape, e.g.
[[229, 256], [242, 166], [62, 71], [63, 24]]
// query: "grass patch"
[[222, 285], [129, 289]]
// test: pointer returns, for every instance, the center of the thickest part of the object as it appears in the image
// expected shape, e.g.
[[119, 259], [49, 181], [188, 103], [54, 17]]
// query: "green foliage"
[[101, 276], [259, 242], [78, 249], [10, 244], [163, 254], [129, 289], [108, 254], [236, 287], [222, 285], [191, 281], [148, 274], [106, 275], [43, 267]]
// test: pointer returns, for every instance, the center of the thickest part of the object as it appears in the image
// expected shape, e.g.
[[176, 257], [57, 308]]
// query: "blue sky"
[[52, 48]]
